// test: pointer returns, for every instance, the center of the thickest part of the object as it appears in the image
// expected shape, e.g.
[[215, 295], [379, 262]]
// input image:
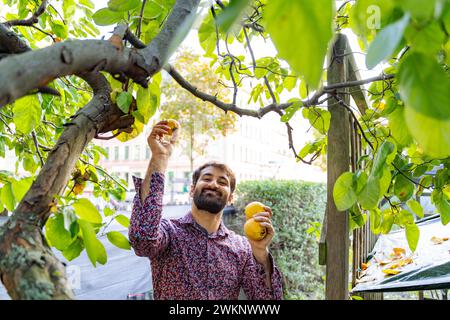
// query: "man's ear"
[[230, 199], [191, 191]]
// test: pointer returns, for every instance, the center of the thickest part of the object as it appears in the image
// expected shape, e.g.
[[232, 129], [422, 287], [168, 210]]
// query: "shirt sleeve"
[[254, 283], [148, 234]]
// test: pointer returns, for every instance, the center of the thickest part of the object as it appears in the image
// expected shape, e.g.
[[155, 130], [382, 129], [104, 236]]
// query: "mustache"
[[212, 190]]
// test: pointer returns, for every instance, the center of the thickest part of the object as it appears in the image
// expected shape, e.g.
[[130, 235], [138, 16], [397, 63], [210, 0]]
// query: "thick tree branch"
[[25, 72]]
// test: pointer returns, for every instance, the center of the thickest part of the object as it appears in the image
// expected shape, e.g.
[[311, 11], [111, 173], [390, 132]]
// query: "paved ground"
[[123, 274]]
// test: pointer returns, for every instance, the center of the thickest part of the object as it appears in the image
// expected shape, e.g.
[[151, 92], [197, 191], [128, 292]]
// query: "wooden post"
[[338, 157]]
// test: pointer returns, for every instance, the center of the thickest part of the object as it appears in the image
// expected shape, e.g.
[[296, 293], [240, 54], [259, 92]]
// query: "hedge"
[[298, 209]]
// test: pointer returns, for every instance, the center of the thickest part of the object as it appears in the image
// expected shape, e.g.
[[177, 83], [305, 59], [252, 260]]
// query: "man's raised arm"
[[148, 234]]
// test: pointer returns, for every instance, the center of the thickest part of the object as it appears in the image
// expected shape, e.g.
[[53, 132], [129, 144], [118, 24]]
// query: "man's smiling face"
[[212, 191]]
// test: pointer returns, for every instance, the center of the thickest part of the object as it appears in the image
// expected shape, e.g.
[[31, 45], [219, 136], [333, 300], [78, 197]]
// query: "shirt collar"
[[221, 232]]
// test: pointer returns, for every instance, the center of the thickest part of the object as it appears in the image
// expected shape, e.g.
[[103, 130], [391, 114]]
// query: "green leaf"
[[399, 127], [370, 194], [231, 14], [343, 192], [20, 187], [27, 113], [69, 7], [289, 83], [319, 119], [56, 233], [303, 90], [94, 248], [404, 217], [385, 181], [387, 221], [30, 164], [301, 31], [380, 159], [123, 220], [290, 111], [59, 29], [7, 197], [87, 211], [427, 40], [147, 104], [152, 10], [442, 205], [418, 8], [74, 250], [207, 35], [119, 240], [375, 220], [425, 92], [412, 236], [403, 187], [415, 207], [87, 3], [106, 17], [386, 42], [123, 5], [124, 100], [108, 211]]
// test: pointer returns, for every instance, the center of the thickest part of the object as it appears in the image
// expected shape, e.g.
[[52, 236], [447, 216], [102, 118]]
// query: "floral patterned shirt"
[[188, 263]]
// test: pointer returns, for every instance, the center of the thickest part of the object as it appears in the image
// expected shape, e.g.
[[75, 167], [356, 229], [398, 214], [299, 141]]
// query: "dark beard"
[[209, 203]]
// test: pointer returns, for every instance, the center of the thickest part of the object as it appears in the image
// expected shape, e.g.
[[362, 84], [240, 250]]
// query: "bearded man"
[[197, 256]]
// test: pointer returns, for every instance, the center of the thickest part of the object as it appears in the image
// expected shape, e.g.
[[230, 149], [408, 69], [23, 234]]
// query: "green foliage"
[[344, 191], [298, 209], [119, 240], [86, 210], [386, 42], [310, 24]]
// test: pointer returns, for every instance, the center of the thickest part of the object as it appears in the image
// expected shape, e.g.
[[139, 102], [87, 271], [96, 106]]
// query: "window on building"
[[147, 152], [116, 153], [127, 152], [137, 152], [137, 174], [127, 176], [107, 152]]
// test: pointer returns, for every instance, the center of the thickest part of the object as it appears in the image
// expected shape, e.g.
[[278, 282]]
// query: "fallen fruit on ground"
[[438, 240], [391, 272], [253, 230], [253, 208]]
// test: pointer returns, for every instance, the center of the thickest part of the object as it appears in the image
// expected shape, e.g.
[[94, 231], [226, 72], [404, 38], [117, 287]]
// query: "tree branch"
[[105, 173], [222, 105], [25, 72], [346, 106], [36, 144], [266, 81], [291, 146], [349, 84], [32, 20]]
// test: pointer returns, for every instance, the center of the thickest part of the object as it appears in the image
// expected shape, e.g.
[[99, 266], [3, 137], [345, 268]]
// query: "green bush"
[[298, 209]]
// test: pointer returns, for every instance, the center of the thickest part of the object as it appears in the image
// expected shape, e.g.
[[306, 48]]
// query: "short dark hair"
[[215, 164]]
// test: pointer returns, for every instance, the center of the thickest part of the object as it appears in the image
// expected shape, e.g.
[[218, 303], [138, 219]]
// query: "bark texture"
[[28, 268]]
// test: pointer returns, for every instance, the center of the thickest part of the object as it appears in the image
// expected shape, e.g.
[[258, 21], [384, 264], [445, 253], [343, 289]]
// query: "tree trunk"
[[28, 267]]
